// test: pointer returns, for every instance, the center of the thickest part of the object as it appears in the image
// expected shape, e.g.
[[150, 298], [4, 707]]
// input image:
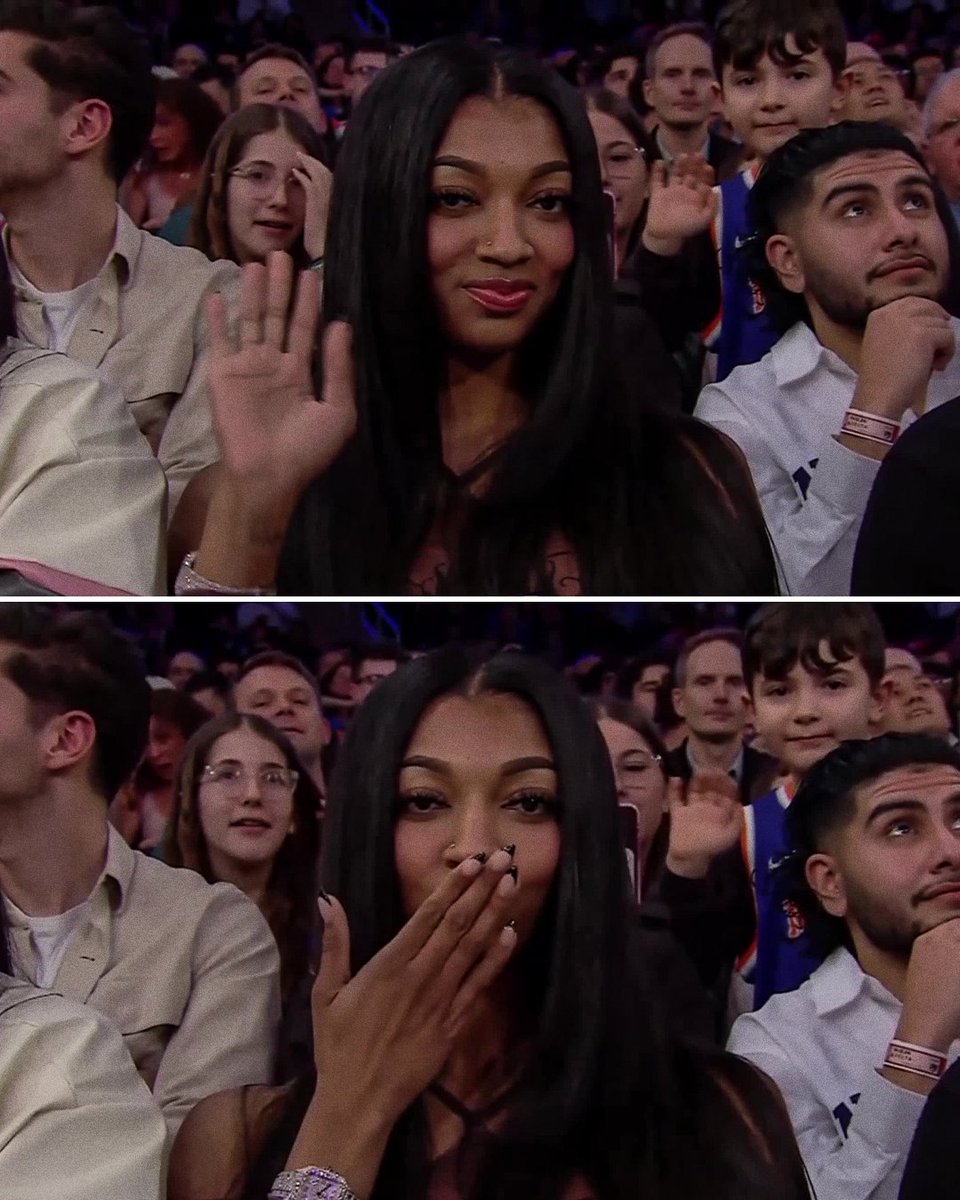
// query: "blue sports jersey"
[[781, 958], [740, 334]]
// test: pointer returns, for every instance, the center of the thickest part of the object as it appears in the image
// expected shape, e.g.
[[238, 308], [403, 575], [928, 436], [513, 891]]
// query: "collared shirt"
[[75, 1118], [81, 495], [784, 412], [144, 330], [735, 770], [821, 1045], [668, 157], [187, 971]]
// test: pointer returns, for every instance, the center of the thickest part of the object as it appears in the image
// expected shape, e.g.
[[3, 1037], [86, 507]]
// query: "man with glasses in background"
[[941, 132]]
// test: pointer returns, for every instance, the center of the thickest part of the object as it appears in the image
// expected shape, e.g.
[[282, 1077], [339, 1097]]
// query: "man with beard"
[[875, 870], [279, 688], [851, 250]]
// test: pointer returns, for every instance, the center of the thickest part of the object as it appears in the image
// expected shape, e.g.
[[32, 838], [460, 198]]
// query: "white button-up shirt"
[[821, 1045], [784, 412]]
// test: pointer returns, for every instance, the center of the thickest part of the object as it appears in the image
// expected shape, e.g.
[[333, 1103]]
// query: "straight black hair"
[[606, 1095], [6, 966], [785, 185], [649, 504], [826, 802]]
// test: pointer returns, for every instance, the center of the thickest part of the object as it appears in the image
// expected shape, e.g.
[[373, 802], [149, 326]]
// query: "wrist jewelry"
[[191, 583], [917, 1060], [310, 1183], [866, 425], [317, 265]]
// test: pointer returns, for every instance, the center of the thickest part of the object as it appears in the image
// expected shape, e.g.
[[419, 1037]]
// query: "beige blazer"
[[75, 1118], [188, 971], [81, 495], [144, 330]]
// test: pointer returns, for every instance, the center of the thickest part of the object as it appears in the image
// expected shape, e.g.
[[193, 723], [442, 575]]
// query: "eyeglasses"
[[275, 782], [367, 72], [263, 180], [623, 162], [637, 765]]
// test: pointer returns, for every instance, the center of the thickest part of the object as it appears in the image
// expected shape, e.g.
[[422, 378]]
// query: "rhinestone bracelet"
[[310, 1183], [191, 583]]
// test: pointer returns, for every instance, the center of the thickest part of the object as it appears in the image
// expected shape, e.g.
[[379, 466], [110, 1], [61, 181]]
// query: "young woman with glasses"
[[265, 187], [246, 813]]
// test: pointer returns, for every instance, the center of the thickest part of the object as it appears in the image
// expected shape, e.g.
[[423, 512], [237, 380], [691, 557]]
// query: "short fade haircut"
[[369, 45], [733, 637], [748, 29], [385, 651], [695, 29], [780, 636], [826, 802], [278, 658], [91, 54], [66, 662], [785, 185], [270, 50]]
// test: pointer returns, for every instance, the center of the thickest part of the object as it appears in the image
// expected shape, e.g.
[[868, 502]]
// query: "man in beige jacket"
[[76, 110], [188, 972]]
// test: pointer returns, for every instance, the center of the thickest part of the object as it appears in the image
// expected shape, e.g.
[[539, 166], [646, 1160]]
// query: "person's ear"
[[679, 707], [783, 255], [86, 125], [880, 698], [716, 93], [841, 90], [825, 880], [67, 739], [648, 92]]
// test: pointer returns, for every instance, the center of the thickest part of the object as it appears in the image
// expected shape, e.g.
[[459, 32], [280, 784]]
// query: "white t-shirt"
[[61, 310], [49, 937]]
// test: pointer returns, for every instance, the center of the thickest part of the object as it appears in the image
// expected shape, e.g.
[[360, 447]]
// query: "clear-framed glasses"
[[623, 162], [263, 179], [367, 71], [633, 769], [233, 779]]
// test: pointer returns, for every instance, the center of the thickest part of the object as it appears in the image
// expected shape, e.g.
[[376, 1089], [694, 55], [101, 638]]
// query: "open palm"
[[270, 427]]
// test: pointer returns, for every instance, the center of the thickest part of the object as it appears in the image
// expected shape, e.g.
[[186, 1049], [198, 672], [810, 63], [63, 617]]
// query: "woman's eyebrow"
[[530, 762], [474, 168]]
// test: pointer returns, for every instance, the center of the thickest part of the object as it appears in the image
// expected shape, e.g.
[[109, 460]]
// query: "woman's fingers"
[[480, 978], [279, 287], [417, 931], [302, 332], [219, 337], [459, 921], [253, 281], [339, 373], [334, 972], [475, 944]]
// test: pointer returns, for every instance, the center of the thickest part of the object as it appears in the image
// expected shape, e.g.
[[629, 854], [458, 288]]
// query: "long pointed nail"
[[511, 849], [481, 857], [514, 873]]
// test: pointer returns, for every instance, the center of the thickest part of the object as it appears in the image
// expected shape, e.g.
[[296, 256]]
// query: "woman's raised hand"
[[386, 1032], [272, 432], [317, 182]]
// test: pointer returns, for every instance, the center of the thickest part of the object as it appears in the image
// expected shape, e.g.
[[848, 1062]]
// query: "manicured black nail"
[[481, 857], [514, 873], [323, 895], [511, 850], [510, 925]]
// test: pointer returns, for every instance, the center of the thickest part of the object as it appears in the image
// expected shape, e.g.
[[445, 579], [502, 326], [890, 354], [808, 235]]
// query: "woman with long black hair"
[[483, 1022], [495, 451]]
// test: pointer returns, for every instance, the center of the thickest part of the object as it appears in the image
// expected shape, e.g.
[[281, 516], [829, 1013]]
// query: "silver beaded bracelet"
[[192, 583], [310, 1183]]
